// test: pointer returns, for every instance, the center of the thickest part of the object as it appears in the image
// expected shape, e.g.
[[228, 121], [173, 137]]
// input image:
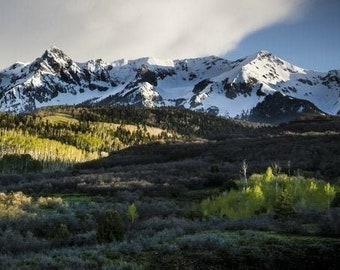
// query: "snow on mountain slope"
[[211, 84], [254, 77], [322, 89]]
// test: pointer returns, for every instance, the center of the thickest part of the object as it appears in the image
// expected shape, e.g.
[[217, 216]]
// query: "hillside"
[[148, 188], [62, 136], [293, 147]]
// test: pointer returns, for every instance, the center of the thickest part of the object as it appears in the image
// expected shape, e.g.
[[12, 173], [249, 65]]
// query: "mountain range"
[[260, 87]]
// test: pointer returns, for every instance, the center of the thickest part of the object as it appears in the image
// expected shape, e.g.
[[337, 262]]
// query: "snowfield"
[[212, 84]]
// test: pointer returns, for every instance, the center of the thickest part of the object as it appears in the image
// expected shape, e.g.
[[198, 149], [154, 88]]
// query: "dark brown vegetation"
[[315, 155]]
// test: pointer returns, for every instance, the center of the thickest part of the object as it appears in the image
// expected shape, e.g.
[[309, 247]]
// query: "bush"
[[336, 200], [229, 185], [280, 194], [329, 224], [11, 179], [14, 242], [214, 179], [214, 169], [49, 202], [132, 213], [62, 232], [158, 208], [110, 227]]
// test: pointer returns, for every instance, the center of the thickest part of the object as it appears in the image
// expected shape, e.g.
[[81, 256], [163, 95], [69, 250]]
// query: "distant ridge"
[[210, 84]]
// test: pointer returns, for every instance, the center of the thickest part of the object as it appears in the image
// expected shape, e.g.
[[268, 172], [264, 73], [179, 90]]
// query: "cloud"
[[113, 29]]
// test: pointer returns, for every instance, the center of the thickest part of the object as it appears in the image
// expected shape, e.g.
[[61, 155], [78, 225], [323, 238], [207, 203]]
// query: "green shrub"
[[62, 232], [19, 163], [132, 213], [110, 227], [336, 200], [283, 208], [229, 185], [214, 168], [279, 193]]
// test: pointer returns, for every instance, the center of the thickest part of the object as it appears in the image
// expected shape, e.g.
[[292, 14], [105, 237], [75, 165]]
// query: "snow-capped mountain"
[[211, 84]]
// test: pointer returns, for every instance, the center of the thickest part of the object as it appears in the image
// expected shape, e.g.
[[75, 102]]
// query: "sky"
[[303, 32]]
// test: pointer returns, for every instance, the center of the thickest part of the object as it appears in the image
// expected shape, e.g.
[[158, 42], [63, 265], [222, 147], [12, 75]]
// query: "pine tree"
[[283, 208], [110, 227]]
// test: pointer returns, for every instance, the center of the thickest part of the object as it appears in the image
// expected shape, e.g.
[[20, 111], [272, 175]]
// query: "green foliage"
[[110, 227], [71, 135], [62, 232], [132, 212], [26, 153], [269, 175], [268, 192], [214, 168], [336, 200], [171, 120], [38, 230], [283, 208], [229, 185], [330, 193], [19, 163], [234, 204], [38, 234]]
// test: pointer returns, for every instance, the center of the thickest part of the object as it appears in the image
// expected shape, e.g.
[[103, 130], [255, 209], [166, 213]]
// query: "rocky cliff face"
[[243, 88]]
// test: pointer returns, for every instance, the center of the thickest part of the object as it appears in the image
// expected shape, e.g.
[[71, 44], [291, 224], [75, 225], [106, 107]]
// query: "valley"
[[169, 135]]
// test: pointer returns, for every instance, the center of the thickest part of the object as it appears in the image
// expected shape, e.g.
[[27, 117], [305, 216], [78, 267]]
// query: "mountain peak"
[[53, 49], [264, 53], [258, 56], [55, 53], [53, 60]]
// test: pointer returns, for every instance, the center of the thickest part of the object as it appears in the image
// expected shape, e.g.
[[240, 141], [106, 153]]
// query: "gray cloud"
[[113, 29]]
